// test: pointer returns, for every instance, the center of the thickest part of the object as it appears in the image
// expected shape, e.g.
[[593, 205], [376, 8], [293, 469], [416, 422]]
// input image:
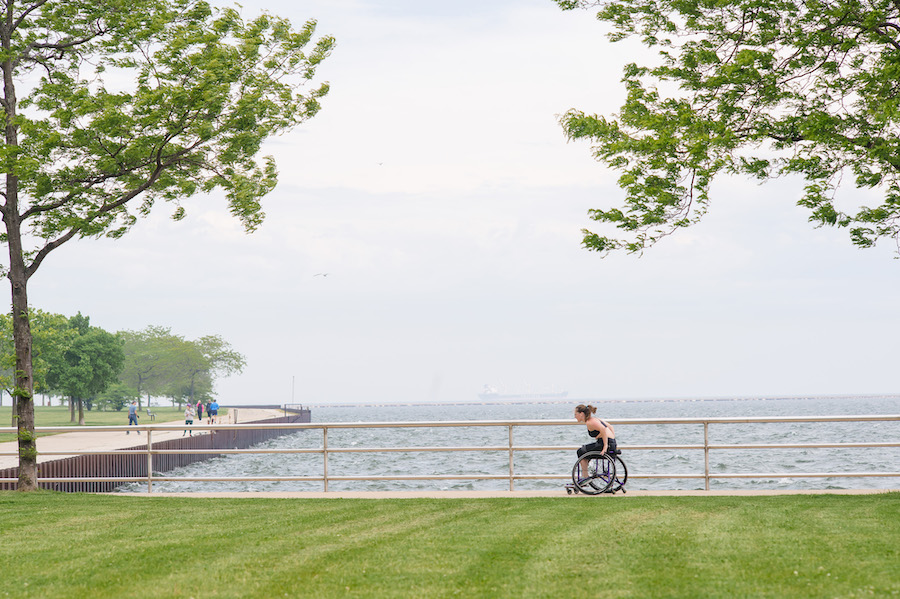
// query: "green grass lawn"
[[54, 545], [59, 416]]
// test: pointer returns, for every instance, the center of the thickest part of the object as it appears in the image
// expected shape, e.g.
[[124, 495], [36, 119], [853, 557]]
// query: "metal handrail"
[[510, 447]]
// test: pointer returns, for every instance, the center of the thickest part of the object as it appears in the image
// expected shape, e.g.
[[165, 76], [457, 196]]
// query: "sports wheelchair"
[[605, 473]]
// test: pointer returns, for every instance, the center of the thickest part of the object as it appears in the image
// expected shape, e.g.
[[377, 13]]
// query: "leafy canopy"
[[764, 88], [155, 100], [158, 362]]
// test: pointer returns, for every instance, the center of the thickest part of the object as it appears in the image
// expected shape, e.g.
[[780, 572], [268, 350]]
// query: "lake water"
[[687, 461]]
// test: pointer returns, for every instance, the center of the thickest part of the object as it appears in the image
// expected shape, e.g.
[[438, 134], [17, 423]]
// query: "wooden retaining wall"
[[126, 464]]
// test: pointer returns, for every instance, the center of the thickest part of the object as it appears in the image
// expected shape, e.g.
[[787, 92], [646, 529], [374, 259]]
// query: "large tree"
[[161, 363], [764, 88], [112, 105]]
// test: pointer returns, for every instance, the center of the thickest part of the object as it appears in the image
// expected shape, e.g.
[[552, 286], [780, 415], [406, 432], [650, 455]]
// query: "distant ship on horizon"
[[491, 393]]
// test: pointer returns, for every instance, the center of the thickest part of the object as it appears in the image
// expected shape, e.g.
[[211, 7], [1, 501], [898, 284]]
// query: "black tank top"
[[596, 433]]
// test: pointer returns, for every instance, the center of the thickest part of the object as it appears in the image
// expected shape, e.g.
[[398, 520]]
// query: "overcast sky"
[[437, 191]]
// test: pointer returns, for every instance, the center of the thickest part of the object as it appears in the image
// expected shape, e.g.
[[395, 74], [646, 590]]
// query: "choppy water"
[[689, 461]]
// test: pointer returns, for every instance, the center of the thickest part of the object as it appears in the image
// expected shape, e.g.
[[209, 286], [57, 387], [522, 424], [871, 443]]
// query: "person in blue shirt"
[[133, 416], [213, 411]]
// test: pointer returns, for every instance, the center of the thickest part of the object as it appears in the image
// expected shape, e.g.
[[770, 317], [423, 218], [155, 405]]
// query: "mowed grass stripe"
[[54, 545]]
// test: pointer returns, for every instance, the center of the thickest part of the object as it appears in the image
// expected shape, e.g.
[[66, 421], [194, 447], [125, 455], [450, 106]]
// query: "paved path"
[[93, 440], [483, 494]]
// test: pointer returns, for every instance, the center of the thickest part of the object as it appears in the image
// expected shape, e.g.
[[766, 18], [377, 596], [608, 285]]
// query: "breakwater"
[[132, 461]]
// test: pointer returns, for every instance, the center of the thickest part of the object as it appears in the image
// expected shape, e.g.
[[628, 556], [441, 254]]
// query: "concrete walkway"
[[93, 440], [500, 494]]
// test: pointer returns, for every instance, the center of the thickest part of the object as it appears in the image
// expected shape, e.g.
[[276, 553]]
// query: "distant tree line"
[[91, 368]]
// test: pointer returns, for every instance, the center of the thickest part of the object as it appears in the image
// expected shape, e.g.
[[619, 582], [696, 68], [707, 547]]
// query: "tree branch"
[[26, 12], [101, 178], [161, 165], [60, 46], [50, 246]]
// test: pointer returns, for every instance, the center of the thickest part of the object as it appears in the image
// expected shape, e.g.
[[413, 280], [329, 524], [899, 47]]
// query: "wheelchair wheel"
[[621, 476], [599, 476]]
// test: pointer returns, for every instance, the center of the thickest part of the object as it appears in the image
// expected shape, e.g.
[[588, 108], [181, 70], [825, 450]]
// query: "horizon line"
[[598, 400]]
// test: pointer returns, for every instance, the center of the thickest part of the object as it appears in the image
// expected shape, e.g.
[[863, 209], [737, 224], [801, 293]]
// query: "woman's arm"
[[595, 425], [605, 435]]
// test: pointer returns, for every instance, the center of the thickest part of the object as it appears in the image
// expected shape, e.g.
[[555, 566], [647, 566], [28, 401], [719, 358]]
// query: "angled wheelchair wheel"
[[598, 476], [621, 476]]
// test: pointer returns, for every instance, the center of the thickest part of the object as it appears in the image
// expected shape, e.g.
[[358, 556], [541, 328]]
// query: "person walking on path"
[[213, 411], [133, 416], [200, 410], [188, 420]]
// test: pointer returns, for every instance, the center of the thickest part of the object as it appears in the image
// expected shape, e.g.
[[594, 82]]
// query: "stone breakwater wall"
[[132, 462]]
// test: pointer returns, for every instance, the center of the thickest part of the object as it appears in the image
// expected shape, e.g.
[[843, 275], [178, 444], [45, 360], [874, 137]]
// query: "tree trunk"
[[18, 281], [80, 412], [23, 391], [72, 410]]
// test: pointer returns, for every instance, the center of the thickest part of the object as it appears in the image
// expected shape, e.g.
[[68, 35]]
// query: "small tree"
[[116, 397], [112, 105]]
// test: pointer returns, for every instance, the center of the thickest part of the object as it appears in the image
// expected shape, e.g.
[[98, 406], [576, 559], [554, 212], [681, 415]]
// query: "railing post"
[[706, 453], [511, 457], [149, 462], [325, 456]]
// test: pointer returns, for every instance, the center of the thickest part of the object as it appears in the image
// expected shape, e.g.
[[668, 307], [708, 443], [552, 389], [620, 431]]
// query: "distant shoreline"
[[513, 402]]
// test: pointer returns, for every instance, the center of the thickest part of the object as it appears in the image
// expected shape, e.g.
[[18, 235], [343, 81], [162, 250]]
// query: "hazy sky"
[[438, 192]]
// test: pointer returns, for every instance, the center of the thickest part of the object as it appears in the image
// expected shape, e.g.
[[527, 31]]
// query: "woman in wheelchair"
[[602, 431]]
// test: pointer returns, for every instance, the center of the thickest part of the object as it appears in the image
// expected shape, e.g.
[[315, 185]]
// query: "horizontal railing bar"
[[805, 445], [320, 450], [459, 423], [414, 449], [804, 475], [536, 448], [306, 450]]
